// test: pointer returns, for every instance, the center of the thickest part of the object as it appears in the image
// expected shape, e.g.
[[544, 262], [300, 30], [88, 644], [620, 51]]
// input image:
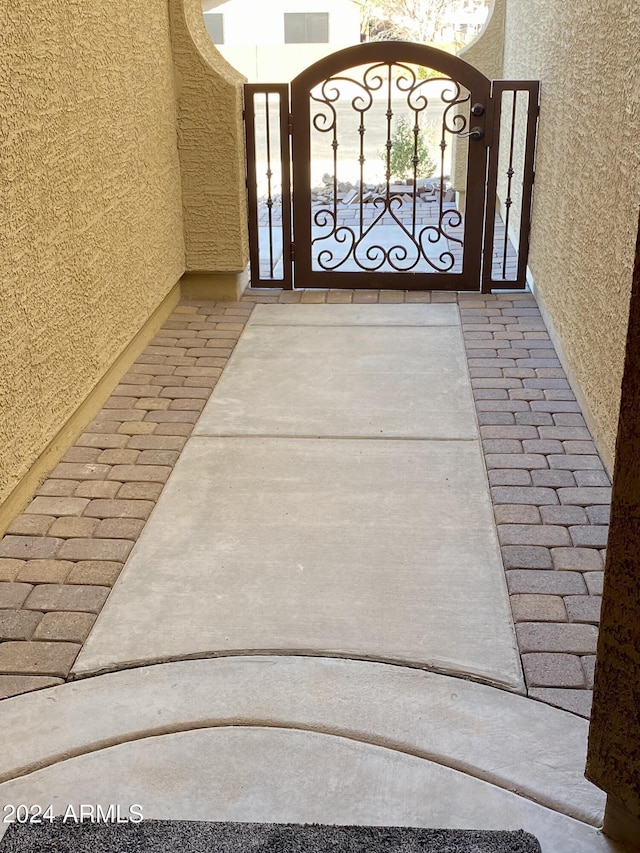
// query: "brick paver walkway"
[[551, 494]]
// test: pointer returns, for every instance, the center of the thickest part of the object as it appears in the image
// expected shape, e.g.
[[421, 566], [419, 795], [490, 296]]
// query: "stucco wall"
[[587, 189], [211, 146], [91, 234], [614, 738]]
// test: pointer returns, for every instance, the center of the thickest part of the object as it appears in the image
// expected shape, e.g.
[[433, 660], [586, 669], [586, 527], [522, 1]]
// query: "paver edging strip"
[[101, 493]]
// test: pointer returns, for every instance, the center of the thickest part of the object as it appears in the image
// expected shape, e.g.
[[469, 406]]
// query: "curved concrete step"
[[285, 776], [501, 738]]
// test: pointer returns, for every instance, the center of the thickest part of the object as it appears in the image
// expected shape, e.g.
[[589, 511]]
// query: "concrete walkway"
[[325, 551], [332, 501]]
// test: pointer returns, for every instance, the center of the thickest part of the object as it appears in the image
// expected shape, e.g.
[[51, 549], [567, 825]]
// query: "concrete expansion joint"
[[351, 325], [302, 654], [337, 437]]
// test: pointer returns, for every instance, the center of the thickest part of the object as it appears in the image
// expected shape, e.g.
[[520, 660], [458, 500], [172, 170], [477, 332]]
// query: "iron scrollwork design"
[[361, 243]]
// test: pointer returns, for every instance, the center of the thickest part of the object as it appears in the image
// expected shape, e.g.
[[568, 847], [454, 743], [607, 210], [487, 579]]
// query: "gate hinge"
[[293, 251], [290, 123]]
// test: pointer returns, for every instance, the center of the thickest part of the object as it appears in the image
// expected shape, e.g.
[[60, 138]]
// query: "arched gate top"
[[393, 52]]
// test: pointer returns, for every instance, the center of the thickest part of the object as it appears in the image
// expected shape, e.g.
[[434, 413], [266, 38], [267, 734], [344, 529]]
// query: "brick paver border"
[[551, 494]]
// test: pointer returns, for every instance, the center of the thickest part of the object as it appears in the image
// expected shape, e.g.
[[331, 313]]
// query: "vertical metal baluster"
[[389, 143], [269, 186], [510, 174], [443, 148], [361, 131], [416, 131], [334, 145]]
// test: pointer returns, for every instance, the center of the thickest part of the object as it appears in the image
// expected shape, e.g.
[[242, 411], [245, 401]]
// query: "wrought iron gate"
[[411, 171]]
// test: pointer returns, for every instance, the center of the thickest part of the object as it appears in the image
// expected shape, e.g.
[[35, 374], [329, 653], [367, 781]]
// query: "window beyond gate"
[[411, 171]]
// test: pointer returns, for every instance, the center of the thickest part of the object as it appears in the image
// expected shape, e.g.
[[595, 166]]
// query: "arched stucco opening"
[[252, 36], [209, 96], [486, 50]]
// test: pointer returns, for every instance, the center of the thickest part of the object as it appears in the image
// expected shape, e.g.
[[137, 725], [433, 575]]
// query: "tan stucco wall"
[[91, 238], [614, 737], [211, 146], [587, 189]]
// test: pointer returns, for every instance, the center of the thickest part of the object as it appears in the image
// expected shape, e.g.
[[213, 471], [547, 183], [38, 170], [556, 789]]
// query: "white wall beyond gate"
[[254, 40]]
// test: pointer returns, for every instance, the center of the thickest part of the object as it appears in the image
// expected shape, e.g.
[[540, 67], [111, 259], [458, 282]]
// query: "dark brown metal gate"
[[411, 171]]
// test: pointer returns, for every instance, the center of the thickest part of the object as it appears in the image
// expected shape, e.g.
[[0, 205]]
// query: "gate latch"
[[474, 133]]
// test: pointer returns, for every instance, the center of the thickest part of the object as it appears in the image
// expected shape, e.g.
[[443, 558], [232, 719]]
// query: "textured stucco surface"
[[91, 235], [614, 741], [211, 146], [587, 187]]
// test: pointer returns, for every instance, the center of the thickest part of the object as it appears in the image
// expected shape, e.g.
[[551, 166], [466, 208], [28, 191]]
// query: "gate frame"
[[498, 88], [249, 114], [477, 272], [389, 52]]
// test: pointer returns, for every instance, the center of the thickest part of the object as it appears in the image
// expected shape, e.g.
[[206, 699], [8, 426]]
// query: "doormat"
[[151, 836]]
